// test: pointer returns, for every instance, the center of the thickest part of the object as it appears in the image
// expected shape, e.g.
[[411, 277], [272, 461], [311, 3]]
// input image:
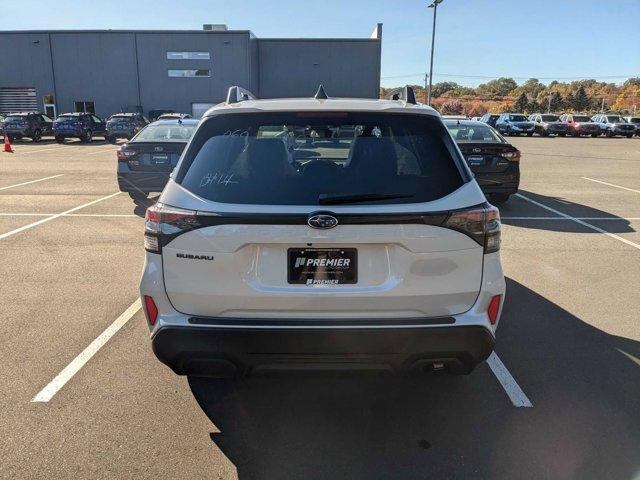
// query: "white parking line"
[[53, 217], [102, 151], [581, 222], [612, 184], [511, 387], [36, 151], [77, 363], [32, 181]]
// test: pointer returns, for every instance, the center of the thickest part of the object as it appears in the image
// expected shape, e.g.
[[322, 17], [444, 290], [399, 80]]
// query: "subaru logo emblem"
[[477, 150], [322, 221], [158, 149]]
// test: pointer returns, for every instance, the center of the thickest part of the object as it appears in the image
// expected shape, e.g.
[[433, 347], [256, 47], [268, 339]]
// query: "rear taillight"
[[481, 224], [125, 155], [150, 310], [513, 156], [163, 223]]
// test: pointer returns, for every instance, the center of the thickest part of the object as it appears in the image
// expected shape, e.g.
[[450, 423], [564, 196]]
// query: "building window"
[[83, 106], [201, 72], [188, 56]]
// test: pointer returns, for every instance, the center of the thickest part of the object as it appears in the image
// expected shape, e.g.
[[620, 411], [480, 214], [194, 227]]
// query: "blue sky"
[[474, 38]]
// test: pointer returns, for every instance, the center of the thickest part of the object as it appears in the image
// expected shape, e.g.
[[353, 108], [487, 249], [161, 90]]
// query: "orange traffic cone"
[[7, 144]]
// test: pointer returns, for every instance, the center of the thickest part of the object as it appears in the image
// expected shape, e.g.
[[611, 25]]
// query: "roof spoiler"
[[403, 93], [238, 94]]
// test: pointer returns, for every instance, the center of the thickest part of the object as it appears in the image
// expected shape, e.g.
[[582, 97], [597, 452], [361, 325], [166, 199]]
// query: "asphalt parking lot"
[[569, 342]]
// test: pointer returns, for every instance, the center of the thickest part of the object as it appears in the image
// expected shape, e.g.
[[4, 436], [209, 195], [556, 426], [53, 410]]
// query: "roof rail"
[[238, 94], [403, 93]]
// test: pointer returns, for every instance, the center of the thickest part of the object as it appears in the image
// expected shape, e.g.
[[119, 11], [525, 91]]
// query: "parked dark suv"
[[78, 125], [548, 124], [514, 124], [34, 125], [124, 125], [634, 120], [490, 119]]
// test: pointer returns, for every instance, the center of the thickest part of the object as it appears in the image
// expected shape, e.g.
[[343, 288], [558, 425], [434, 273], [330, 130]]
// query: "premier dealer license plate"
[[322, 266]]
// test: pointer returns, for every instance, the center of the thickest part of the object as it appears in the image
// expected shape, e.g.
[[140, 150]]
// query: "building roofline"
[[201, 32]]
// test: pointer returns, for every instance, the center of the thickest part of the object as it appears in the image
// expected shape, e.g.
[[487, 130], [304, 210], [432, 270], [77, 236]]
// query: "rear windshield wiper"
[[325, 199]]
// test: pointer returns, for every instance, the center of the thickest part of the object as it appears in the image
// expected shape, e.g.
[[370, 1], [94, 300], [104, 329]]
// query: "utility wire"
[[487, 77]]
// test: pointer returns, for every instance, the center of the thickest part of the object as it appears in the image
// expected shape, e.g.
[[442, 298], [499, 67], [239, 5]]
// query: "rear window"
[[581, 118], [517, 118], [549, 118], [616, 119], [67, 118], [120, 119], [474, 133], [306, 158], [15, 118], [165, 133]]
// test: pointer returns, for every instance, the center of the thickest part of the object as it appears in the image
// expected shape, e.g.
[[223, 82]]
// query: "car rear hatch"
[[15, 124], [154, 157], [245, 246], [487, 158], [67, 125]]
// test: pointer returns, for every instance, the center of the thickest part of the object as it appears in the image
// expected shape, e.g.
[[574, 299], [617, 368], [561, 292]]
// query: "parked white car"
[[325, 234]]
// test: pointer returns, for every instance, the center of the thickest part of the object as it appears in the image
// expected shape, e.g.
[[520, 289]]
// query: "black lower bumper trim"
[[229, 352]]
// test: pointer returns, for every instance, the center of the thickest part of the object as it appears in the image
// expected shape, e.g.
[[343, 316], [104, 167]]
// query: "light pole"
[[433, 5]]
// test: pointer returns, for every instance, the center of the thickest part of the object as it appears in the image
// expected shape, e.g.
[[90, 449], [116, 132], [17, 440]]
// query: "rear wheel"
[[37, 136], [562, 134], [530, 134], [110, 138], [609, 133], [86, 136], [630, 135], [59, 139], [499, 198], [595, 135]]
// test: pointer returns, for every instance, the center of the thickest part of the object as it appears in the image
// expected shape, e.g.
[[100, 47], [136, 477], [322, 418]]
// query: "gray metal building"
[[107, 71]]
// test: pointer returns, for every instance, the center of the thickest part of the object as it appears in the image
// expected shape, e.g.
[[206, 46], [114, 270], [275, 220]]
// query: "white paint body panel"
[[403, 271]]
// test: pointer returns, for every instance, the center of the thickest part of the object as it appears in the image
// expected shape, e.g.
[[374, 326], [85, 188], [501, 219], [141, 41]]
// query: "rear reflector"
[[150, 309], [494, 308]]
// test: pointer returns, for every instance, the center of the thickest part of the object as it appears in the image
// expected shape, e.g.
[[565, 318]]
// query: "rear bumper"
[[142, 181], [226, 351]]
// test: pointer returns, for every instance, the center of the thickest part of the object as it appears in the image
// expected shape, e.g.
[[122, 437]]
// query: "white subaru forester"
[[323, 234]]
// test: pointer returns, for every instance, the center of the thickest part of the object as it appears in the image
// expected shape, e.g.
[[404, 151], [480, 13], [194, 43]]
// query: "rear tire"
[[629, 136], [37, 136], [595, 135], [499, 198], [110, 138], [530, 134], [609, 134], [86, 136], [59, 139], [138, 195]]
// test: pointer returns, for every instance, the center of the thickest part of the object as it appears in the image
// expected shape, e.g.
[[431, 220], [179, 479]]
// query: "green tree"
[[437, 89], [500, 87], [556, 102], [581, 100], [534, 106], [521, 103]]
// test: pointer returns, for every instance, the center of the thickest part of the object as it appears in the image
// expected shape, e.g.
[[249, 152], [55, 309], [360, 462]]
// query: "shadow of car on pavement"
[[585, 422]]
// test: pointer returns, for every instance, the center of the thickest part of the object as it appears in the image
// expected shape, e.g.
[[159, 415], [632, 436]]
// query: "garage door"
[[17, 99], [198, 109]]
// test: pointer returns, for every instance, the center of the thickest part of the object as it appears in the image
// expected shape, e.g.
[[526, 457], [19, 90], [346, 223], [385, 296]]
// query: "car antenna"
[[321, 94]]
